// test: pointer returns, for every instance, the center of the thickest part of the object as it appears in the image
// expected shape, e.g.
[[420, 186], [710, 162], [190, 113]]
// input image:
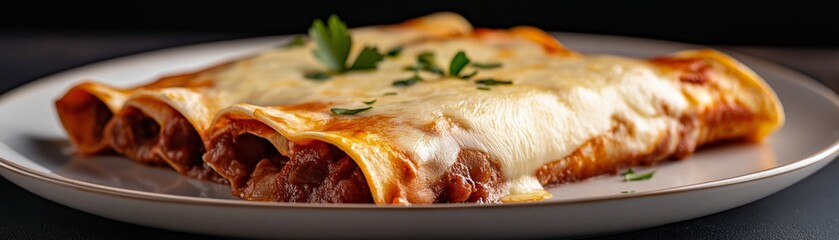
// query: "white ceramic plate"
[[36, 155]]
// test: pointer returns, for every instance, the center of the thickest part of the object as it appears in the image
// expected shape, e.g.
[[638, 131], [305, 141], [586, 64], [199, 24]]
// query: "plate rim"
[[827, 153]]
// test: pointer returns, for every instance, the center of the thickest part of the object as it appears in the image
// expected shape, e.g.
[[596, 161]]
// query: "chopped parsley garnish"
[[297, 41], [345, 111], [459, 61], [371, 102], [483, 88], [317, 75], [434, 70], [630, 176], [367, 59], [425, 62], [467, 76], [407, 82], [333, 43], [395, 51], [628, 191], [426, 58], [390, 94], [486, 65], [492, 82]]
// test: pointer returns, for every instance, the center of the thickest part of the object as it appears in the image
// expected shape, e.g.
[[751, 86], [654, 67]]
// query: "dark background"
[[38, 38], [787, 23]]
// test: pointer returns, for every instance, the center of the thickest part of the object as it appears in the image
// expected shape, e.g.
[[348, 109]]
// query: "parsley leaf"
[[317, 76], [467, 76], [333, 43], [371, 102], [628, 171], [367, 59], [630, 176], [395, 51], [628, 191], [407, 82], [426, 59], [390, 94], [425, 62], [486, 65], [492, 82], [345, 111], [458, 63], [435, 70]]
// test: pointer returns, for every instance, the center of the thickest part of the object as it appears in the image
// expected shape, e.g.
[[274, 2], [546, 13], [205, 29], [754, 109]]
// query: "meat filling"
[[314, 172], [317, 172], [176, 143], [135, 135], [472, 178]]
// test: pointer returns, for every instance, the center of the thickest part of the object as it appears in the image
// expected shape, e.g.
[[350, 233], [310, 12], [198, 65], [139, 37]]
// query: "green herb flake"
[[483, 88], [425, 62], [628, 171], [318, 76], [367, 59], [333, 43], [628, 191], [395, 51], [459, 61], [467, 76], [390, 94], [345, 111], [486, 65], [371, 102], [297, 41], [407, 82], [411, 68], [630, 176], [426, 59], [435, 70], [493, 82]]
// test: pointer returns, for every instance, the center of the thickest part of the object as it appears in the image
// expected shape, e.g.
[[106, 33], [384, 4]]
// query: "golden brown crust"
[[546, 40], [196, 79], [86, 108], [84, 117], [734, 84], [691, 70]]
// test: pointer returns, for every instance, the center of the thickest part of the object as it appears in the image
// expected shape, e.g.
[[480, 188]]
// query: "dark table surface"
[[806, 210]]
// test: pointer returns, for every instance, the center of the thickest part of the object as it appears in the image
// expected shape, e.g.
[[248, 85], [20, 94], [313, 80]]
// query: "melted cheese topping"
[[266, 79]]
